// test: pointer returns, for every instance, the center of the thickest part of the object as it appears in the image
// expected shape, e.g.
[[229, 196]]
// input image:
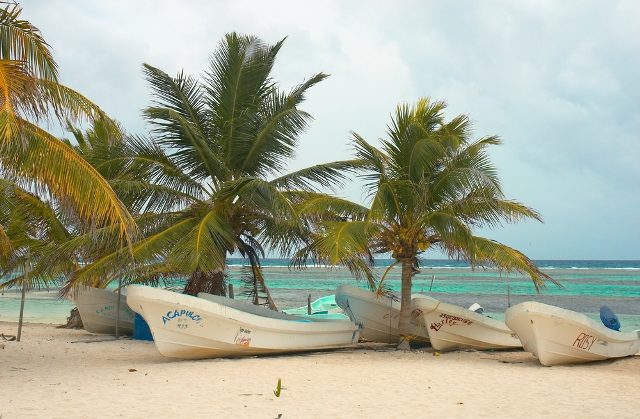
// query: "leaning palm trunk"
[[209, 282], [260, 293], [405, 307]]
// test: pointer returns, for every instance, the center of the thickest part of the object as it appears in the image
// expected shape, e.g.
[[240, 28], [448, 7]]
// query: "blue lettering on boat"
[[173, 314]]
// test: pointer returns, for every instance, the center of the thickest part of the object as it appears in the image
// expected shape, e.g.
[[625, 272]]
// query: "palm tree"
[[216, 159], [34, 223], [430, 185], [30, 94], [28, 225], [49, 233]]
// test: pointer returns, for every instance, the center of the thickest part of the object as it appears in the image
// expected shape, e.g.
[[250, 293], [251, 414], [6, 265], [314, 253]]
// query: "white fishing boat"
[[558, 336], [97, 309], [210, 326], [452, 327], [378, 315]]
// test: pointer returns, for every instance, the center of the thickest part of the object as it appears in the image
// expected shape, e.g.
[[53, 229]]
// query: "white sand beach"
[[71, 373]]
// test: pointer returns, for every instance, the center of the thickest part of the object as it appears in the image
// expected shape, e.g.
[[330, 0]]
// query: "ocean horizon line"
[[575, 264]]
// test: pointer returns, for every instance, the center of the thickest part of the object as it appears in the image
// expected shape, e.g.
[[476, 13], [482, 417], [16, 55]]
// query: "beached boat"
[[378, 315], [558, 336], [211, 326], [323, 307], [97, 309], [452, 327]]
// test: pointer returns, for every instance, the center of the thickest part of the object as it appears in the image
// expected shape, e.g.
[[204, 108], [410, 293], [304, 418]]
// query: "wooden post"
[[432, 278], [309, 304], [118, 308], [508, 295], [231, 291], [25, 281]]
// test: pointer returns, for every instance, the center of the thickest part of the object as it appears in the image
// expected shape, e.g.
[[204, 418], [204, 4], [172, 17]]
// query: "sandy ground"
[[63, 373]]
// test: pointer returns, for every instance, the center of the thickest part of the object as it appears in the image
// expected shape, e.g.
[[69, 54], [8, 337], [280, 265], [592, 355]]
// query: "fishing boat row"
[[378, 315], [205, 326], [445, 326], [554, 335]]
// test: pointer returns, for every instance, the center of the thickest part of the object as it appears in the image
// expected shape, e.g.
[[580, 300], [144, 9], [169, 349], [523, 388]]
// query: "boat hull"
[[557, 336], [97, 309], [451, 327], [378, 315], [208, 326]]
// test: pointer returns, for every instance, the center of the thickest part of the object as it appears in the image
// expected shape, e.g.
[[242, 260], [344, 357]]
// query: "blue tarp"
[[609, 318], [141, 329]]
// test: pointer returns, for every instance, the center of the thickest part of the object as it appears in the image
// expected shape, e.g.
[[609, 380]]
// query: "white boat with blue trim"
[[558, 336], [210, 326]]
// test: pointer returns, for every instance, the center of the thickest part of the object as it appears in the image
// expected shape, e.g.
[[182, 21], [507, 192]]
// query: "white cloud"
[[557, 80]]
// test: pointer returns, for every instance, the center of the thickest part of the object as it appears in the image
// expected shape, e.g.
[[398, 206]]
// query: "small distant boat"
[[323, 307], [210, 326], [378, 315], [451, 327], [97, 309], [557, 336]]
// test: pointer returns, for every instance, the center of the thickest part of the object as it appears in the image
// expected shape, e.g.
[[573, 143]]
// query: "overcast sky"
[[557, 80]]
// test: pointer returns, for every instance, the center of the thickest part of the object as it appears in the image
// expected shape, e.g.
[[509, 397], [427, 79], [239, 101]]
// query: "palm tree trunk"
[[212, 282], [405, 306]]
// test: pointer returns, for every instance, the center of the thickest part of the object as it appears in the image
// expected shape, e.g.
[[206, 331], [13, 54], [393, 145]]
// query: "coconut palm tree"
[[217, 158], [38, 224], [30, 94], [28, 224], [430, 185], [48, 233]]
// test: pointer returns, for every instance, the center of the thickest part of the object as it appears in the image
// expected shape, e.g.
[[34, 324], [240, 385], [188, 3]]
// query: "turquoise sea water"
[[587, 285]]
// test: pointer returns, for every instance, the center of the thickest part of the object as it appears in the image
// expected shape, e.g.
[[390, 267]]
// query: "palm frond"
[[51, 162], [142, 196], [70, 105], [150, 249], [5, 245], [446, 228], [373, 162], [21, 41], [180, 124], [481, 208], [323, 206], [326, 175], [205, 246], [145, 159], [490, 252], [20, 94], [236, 84], [39, 213], [277, 130], [258, 194]]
